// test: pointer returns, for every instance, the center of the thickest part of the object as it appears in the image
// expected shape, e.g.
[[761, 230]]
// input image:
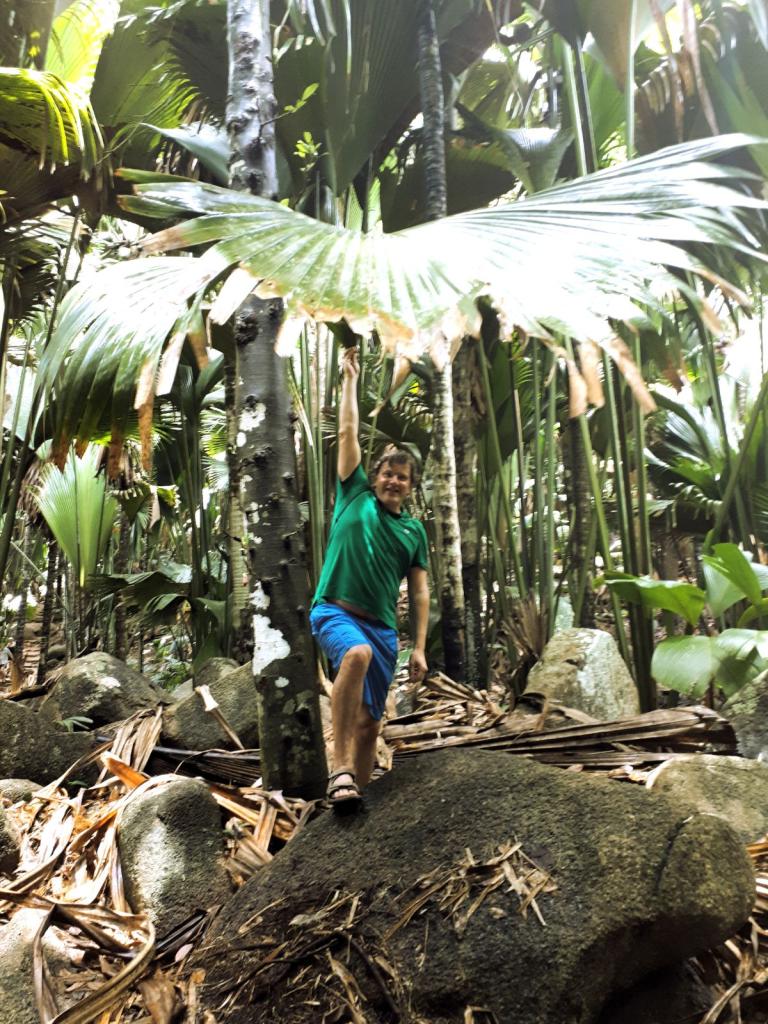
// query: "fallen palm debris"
[[454, 715], [740, 966], [335, 963], [70, 873], [458, 891]]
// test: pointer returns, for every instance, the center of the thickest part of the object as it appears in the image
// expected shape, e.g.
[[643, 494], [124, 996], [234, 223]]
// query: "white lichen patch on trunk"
[[259, 600], [250, 419], [281, 682], [269, 644]]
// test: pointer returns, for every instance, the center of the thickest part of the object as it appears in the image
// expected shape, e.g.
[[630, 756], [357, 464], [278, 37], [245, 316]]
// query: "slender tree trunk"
[[50, 590], [122, 565], [465, 447], [272, 625], [26, 576], [450, 587], [580, 513]]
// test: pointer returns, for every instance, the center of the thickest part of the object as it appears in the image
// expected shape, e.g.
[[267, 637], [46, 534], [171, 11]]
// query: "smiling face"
[[393, 484]]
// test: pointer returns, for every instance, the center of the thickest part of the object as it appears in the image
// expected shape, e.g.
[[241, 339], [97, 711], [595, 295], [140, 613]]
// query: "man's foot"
[[343, 792]]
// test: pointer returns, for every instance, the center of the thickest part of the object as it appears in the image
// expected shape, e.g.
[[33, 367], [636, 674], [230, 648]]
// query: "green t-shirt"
[[370, 550]]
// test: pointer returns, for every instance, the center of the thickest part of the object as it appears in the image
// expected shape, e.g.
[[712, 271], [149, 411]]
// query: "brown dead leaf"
[[199, 342], [160, 997], [589, 354], [577, 390], [169, 363], [619, 352]]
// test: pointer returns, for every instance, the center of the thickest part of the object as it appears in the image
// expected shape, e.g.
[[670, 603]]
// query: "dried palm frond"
[[472, 720]]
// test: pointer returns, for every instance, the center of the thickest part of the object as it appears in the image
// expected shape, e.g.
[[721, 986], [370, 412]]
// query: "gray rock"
[[187, 725], [171, 851], [640, 884], [582, 668], [18, 1004], [10, 842], [747, 711], [733, 788], [32, 744], [102, 688], [185, 689], [17, 986], [213, 669], [16, 790]]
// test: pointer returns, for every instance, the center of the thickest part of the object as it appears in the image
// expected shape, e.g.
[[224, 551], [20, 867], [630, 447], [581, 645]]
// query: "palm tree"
[[265, 520], [443, 456]]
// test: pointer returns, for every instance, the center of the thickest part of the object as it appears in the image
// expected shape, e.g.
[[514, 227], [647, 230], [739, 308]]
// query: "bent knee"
[[367, 725], [358, 657]]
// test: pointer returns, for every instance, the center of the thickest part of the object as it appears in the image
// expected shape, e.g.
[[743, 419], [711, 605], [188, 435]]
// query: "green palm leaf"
[[78, 510], [45, 116], [77, 39], [566, 259]]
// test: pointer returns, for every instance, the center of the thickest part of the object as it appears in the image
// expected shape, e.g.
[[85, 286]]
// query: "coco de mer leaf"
[[566, 260]]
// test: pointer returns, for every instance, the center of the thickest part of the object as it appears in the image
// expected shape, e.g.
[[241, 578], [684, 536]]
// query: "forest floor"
[[71, 868]]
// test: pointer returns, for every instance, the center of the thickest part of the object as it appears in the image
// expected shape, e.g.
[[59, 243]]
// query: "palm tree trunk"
[[272, 625], [450, 586], [50, 590], [26, 577], [580, 515], [465, 448], [122, 565]]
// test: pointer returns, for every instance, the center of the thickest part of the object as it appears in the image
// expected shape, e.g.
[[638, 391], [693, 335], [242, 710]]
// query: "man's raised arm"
[[350, 455]]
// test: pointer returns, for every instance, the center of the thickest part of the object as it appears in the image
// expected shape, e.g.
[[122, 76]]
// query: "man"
[[373, 544]]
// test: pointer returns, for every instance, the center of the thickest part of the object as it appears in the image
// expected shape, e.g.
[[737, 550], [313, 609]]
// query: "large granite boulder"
[[32, 744], [582, 668], [733, 788], [102, 688], [747, 711], [171, 847], [634, 883], [187, 725]]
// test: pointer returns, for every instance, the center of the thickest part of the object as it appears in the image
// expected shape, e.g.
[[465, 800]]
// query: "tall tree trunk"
[[272, 625], [50, 589], [122, 565], [465, 448], [26, 577], [580, 514], [450, 587]]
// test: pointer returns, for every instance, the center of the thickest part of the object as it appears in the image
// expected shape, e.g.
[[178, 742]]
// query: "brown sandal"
[[343, 804]]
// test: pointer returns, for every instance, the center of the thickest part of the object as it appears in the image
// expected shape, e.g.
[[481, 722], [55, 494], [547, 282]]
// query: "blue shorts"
[[336, 630]]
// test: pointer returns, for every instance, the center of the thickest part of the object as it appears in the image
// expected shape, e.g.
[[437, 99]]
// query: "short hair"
[[398, 457]]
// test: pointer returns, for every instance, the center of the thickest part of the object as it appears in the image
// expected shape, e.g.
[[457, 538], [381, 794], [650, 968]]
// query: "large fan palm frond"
[[564, 260]]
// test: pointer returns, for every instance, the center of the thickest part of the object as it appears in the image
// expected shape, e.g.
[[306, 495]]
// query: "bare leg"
[[365, 752], [346, 703]]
